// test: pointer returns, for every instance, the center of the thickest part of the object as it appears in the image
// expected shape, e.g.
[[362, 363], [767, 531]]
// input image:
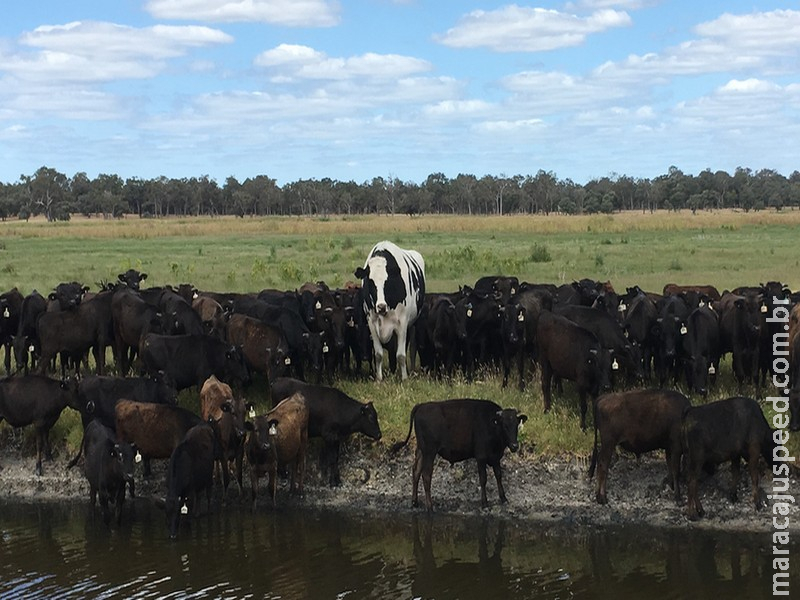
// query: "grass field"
[[726, 249]]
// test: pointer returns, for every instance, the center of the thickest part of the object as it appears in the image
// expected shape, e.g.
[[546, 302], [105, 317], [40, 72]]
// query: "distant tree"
[[47, 191]]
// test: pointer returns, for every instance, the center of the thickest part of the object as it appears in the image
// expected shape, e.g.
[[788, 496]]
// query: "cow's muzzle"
[[381, 308]]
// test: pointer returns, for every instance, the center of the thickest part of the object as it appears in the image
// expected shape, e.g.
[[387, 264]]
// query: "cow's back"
[[452, 428]]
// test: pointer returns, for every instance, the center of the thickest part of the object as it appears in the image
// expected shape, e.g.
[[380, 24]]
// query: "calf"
[[35, 400], [727, 430], [133, 317], [446, 333], [264, 347], [458, 430], [108, 468], [740, 331], [512, 332], [278, 438], [132, 278], [701, 348], [332, 416], [190, 472], [10, 311], [218, 403], [26, 341], [640, 421], [568, 351]]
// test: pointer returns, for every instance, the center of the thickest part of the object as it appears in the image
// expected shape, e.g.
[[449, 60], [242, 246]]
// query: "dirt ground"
[[538, 489]]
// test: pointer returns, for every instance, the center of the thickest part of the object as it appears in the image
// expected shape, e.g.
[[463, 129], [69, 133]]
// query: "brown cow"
[[640, 421], [212, 315], [673, 289], [278, 438], [264, 347], [218, 403]]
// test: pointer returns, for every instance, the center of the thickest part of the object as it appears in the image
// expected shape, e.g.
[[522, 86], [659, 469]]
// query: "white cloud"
[[514, 28], [290, 61], [292, 13]]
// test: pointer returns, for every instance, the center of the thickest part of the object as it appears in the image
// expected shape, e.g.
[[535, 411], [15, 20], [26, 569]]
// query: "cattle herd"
[[611, 345]]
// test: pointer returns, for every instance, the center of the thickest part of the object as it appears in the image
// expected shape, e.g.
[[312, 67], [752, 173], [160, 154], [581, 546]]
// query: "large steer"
[[332, 416], [393, 280], [640, 421], [458, 430]]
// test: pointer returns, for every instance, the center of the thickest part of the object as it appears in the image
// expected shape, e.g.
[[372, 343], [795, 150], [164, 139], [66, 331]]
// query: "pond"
[[61, 550]]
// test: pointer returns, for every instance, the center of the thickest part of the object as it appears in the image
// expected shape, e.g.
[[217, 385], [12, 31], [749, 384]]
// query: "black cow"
[[393, 280], [639, 318], [133, 317], [501, 287], [701, 348], [482, 314], [66, 296], [740, 331], [10, 311], [669, 329], [333, 416], [190, 359], [190, 472], [609, 332], [726, 430], [513, 330], [132, 278], [35, 400], [568, 351], [446, 333], [177, 315], [26, 341], [108, 468], [458, 430], [640, 421]]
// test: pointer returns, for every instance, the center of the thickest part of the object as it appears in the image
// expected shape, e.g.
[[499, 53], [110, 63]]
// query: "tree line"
[[56, 196]]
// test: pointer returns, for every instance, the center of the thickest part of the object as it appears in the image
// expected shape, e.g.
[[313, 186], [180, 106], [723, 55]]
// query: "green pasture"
[[725, 249]]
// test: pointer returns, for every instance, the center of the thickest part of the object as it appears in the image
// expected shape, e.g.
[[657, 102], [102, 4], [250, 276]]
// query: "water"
[[61, 551]]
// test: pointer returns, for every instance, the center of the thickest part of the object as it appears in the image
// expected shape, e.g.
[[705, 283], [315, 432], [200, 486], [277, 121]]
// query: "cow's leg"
[[332, 450], [482, 480], [119, 502], [239, 467], [584, 408], [547, 381], [603, 463], [427, 475], [377, 351], [521, 367], [674, 468], [402, 334], [273, 482], [301, 472], [736, 476], [693, 506], [498, 475], [417, 472], [104, 506], [39, 449], [253, 485]]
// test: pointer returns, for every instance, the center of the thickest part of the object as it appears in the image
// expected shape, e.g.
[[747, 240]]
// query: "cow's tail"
[[396, 446], [74, 461], [593, 463]]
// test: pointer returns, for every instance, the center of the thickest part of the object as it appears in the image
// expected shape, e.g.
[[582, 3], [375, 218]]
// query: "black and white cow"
[[393, 281]]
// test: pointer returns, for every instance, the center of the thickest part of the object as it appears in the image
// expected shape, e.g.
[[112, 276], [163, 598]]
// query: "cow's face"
[[236, 370], [383, 282], [68, 295], [368, 421], [508, 422], [263, 433], [123, 457], [132, 278]]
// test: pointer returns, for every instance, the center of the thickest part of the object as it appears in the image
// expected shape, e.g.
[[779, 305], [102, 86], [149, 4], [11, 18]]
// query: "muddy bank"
[[538, 489]]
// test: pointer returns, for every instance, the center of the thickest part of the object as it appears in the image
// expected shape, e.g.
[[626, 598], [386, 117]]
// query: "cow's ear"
[[227, 407], [143, 276], [739, 303], [522, 418], [52, 296], [114, 450], [85, 289], [361, 272], [121, 276]]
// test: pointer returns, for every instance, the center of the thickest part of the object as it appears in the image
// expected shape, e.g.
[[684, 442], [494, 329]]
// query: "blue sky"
[[297, 89]]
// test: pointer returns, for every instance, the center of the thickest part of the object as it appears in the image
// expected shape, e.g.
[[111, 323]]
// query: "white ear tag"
[[325, 349], [519, 427], [6, 314], [615, 365], [521, 317], [138, 457], [31, 348], [622, 307], [318, 305], [287, 361], [195, 296], [683, 330], [273, 429], [184, 509], [702, 304], [252, 413], [469, 312], [763, 308], [711, 370]]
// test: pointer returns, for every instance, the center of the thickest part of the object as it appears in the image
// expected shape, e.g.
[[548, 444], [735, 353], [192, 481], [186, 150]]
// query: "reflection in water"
[[51, 550]]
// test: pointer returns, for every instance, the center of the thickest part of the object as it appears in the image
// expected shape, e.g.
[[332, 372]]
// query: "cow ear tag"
[[252, 413], [287, 361], [318, 305], [138, 457], [711, 370], [273, 429], [521, 317], [683, 330], [184, 509], [702, 304], [615, 365], [622, 307], [31, 348], [763, 308], [6, 314], [325, 349]]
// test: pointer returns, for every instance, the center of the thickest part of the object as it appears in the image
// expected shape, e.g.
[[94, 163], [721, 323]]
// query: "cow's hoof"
[[602, 499]]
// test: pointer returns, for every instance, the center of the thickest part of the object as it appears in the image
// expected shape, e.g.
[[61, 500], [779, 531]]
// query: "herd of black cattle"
[[584, 332]]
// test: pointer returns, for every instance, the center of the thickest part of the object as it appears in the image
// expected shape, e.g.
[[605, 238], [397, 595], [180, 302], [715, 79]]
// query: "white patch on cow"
[[195, 296], [684, 331], [702, 304], [184, 509], [138, 457], [31, 348]]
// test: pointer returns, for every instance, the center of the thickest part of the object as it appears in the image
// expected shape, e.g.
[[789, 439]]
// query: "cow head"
[[132, 278], [68, 295], [368, 421], [236, 370], [263, 433], [507, 423], [123, 459]]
